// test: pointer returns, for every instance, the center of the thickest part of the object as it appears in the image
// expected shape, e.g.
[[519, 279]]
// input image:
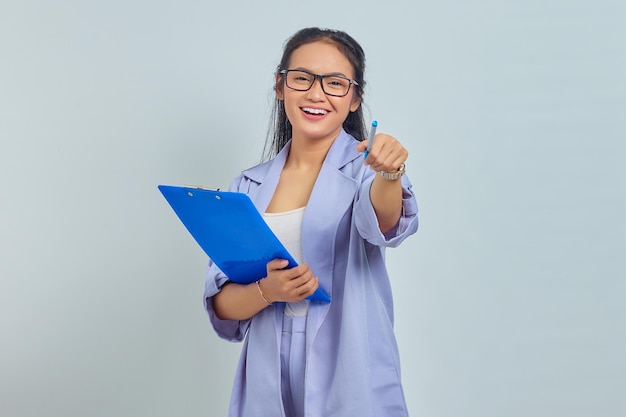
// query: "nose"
[[316, 91]]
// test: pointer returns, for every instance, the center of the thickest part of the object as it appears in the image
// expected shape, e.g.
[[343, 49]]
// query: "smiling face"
[[313, 114]]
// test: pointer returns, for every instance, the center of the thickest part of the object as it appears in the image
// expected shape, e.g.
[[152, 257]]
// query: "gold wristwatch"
[[393, 175]]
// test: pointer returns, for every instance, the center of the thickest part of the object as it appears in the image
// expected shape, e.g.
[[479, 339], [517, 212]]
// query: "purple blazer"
[[352, 361]]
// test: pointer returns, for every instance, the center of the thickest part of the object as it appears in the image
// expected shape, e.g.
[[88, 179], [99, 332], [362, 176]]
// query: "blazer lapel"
[[267, 177], [332, 197]]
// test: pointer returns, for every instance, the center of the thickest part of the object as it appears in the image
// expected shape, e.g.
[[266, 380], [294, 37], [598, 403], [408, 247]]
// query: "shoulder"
[[254, 174], [257, 172], [260, 171]]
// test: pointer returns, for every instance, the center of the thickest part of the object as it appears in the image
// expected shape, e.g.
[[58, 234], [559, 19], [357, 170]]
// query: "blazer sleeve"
[[231, 330], [367, 223]]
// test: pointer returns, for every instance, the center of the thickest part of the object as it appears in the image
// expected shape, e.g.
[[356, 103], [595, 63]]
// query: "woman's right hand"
[[288, 285]]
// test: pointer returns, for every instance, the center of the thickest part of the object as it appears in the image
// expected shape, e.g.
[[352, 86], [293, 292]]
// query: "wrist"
[[258, 285]]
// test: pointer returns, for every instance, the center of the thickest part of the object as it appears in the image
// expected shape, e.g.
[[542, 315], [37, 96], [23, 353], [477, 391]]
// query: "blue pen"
[[370, 141]]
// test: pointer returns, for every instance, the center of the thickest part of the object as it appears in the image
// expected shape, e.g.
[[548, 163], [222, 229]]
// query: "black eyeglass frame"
[[321, 78]]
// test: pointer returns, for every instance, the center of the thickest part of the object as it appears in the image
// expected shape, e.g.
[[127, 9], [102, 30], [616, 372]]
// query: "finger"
[[277, 264], [373, 153], [313, 286], [361, 146], [309, 287], [304, 282], [299, 270], [379, 147], [393, 161], [301, 279], [390, 157]]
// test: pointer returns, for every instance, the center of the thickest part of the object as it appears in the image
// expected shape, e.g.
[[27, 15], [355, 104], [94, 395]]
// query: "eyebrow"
[[332, 74]]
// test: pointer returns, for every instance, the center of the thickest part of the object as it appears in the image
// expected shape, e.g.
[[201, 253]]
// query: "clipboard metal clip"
[[199, 187]]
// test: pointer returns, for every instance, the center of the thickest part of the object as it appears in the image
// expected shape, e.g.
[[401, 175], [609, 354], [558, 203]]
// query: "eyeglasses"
[[333, 85]]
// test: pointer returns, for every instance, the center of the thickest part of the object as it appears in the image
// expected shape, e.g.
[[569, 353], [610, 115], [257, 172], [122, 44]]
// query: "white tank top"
[[287, 226]]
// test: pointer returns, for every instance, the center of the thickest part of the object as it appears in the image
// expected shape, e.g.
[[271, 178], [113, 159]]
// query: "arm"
[[238, 302], [241, 302], [386, 196], [387, 154]]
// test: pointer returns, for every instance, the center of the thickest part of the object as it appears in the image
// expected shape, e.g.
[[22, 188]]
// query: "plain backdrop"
[[509, 299]]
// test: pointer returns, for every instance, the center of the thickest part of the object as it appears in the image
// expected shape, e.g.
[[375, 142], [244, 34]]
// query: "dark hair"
[[280, 128]]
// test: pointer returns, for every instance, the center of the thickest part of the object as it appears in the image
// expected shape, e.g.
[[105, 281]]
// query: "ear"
[[356, 103], [279, 87]]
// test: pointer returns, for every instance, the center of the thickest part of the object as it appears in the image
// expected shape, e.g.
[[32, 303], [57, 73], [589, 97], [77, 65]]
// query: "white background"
[[509, 299]]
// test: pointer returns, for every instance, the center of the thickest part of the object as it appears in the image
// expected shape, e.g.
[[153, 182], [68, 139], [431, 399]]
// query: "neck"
[[307, 154]]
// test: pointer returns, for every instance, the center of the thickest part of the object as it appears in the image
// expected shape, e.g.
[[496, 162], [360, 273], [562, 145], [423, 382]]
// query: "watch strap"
[[394, 175]]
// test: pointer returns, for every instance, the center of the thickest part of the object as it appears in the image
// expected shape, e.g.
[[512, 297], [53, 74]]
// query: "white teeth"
[[314, 111]]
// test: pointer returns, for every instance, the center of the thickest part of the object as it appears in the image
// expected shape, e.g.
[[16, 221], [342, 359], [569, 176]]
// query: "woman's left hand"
[[387, 153]]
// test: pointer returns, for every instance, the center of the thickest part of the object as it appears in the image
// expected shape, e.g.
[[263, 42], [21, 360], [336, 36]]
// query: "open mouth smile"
[[314, 111]]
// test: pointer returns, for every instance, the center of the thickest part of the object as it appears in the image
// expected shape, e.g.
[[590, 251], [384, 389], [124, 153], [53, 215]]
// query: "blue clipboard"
[[231, 231]]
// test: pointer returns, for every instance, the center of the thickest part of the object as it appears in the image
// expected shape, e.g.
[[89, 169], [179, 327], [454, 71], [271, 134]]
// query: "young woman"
[[336, 212]]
